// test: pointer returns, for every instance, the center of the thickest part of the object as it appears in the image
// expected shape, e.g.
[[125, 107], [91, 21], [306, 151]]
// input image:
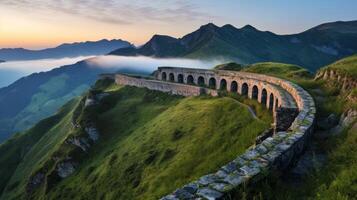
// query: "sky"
[[37, 24]]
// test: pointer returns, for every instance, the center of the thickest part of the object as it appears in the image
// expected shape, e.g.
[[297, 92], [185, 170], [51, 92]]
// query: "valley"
[[178, 100]]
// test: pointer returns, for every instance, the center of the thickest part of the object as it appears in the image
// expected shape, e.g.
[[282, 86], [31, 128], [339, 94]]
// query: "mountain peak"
[[209, 26], [229, 26], [338, 26], [166, 38], [249, 27]]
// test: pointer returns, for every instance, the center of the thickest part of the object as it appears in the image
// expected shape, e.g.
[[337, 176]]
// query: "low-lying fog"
[[13, 70]]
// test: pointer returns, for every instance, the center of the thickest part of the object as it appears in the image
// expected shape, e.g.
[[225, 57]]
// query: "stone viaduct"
[[293, 109]]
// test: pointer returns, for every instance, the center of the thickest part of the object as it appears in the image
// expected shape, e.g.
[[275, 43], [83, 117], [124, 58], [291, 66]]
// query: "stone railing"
[[294, 113], [173, 88]]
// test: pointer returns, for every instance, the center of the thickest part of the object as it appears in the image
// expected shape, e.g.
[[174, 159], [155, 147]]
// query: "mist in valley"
[[13, 70]]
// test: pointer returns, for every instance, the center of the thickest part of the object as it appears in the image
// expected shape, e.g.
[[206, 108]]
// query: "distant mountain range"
[[311, 49], [2, 61], [65, 50]]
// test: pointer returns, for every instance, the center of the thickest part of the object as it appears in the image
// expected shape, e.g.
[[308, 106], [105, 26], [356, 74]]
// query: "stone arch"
[[201, 81], [223, 84], [271, 101], [264, 97], [180, 78], [212, 83], [163, 76], [255, 92], [171, 77], [234, 86], [190, 80], [245, 89]]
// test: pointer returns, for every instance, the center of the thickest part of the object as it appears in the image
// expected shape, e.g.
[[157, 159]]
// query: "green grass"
[[336, 180], [153, 143], [281, 70], [347, 66], [14, 151], [229, 66], [150, 144]]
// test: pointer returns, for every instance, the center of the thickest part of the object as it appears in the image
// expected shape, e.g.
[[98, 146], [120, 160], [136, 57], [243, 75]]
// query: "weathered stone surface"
[[92, 132], [250, 154], [35, 181], [79, 142], [234, 179], [261, 149], [240, 161], [66, 168], [89, 102], [230, 167], [207, 179], [209, 194], [170, 197], [191, 187], [183, 194], [221, 174], [221, 187], [249, 171]]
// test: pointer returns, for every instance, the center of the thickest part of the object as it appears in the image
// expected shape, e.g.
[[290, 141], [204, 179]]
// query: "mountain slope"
[[148, 142], [65, 50], [13, 151], [39, 95], [312, 49]]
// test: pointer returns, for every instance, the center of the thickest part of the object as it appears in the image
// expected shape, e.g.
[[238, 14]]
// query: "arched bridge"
[[293, 109], [265, 89]]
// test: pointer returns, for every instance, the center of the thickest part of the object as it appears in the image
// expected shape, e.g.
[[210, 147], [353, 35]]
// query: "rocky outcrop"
[[347, 119], [342, 80], [64, 167], [82, 143], [35, 181]]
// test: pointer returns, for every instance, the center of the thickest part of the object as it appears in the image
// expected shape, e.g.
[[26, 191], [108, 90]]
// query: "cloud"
[[116, 11]]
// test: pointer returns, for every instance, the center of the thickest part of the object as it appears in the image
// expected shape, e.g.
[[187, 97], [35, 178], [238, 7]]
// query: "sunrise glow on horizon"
[[39, 24]]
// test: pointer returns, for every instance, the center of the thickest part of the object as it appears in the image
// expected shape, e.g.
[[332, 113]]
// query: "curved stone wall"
[[293, 109]]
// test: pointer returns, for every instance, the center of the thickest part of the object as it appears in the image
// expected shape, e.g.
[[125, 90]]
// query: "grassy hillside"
[[281, 70], [35, 97], [150, 143], [347, 66], [337, 178], [14, 150], [229, 66], [40, 95]]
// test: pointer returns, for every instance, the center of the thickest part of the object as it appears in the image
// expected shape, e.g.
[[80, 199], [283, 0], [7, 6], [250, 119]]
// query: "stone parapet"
[[172, 88]]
